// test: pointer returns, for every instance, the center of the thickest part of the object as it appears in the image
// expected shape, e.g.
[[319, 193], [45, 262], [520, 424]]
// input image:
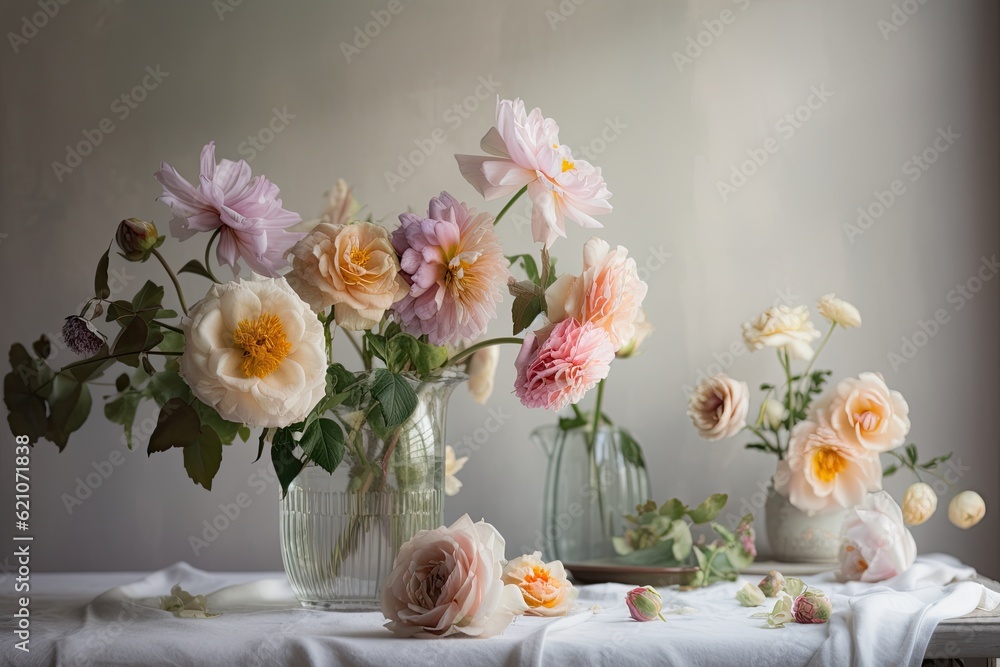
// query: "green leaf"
[[525, 309], [376, 344], [197, 268], [286, 465], [398, 351], [673, 509], [122, 382], [167, 384], [203, 457], [527, 263], [244, 433], [101, 289], [69, 407], [225, 429], [26, 411], [757, 445], [177, 426], [911, 453], [661, 554], [570, 423], [709, 508], [680, 535], [131, 339], [426, 357], [93, 367], [172, 342], [631, 451], [890, 470], [395, 396], [323, 443], [148, 298], [260, 444], [122, 409]]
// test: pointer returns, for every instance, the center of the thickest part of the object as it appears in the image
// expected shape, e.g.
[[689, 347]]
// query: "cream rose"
[[864, 411], [876, 544], [966, 509], [351, 267], [482, 370], [447, 581], [782, 327], [255, 352], [608, 294], [919, 503], [838, 311], [544, 586], [823, 472], [718, 407]]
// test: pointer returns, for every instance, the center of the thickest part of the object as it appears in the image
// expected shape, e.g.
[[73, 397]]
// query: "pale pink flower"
[[876, 544], [524, 150], [559, 370], [608, 294], [718, 407], [455, 268], [247, 208], [823, 472], [544, 586], [448, 581], [864, 411]]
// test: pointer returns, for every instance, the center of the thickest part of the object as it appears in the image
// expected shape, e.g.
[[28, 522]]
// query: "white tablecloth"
[[113, 619]]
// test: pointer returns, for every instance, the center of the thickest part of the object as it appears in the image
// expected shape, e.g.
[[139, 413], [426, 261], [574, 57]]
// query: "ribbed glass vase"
[[340, 533]]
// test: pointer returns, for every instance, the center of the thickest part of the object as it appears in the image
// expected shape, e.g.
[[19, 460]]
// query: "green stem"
[[354, 343], [786, 363], [208, 267], [809, 366], [173, 279], [169, 326], [328, 336], [509, 204], [760, 434], [472, 349], [592, 450], [84, 362]]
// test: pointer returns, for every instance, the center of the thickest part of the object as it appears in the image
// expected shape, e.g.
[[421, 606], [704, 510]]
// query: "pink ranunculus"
[[448, 581], [823, 472], [864, 411], [247, 208], [454, 265], [559, 370], [524, 150], [876, 543], [608, 294]]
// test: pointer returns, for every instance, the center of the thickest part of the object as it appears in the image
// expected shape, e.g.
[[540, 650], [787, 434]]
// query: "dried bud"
[[644, 604], [772, 584], [794, 586], [82, 336], [812, 607], [750, 596], [966, 509], [136, 238], [919, 503]]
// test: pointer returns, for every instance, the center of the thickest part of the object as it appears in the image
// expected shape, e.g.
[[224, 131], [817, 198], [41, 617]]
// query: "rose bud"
[[919, 503], [82, 337], [794, 586], [772, 584], [750, 596], [644, 604], [136, 238], [966, 509], [812, 607]]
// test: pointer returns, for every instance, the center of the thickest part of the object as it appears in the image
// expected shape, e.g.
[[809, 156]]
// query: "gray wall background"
[[664, 134]]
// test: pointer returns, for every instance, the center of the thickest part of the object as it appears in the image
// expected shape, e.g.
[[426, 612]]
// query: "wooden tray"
[[605, 571]]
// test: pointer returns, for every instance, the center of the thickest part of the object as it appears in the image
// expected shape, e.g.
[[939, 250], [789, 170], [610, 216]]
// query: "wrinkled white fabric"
[[114, 619]]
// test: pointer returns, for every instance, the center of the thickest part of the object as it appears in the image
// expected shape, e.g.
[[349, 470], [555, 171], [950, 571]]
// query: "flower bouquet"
[[359, 452], [828, 444]]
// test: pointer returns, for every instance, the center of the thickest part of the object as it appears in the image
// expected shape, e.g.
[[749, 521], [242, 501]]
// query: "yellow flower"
[[545, 588]]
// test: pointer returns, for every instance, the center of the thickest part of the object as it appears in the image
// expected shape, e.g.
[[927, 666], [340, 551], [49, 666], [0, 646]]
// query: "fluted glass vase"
[[340, 533]]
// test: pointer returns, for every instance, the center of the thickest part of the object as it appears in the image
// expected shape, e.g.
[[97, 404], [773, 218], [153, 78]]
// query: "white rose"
[[838, 311], [782, 327], [775, 413], [919, 503], [876, 544], [482, 370], [966, 509], [255, 353]]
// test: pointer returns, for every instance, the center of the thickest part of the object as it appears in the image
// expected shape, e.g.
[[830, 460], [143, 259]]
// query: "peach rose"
[[544, 586], [352, 267], [718, 407], [782, 327], [823, 472], [864, 411], [447, 581], [608, 294]]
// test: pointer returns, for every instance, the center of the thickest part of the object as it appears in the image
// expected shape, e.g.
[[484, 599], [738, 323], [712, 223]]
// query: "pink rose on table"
[[565, 365], [447, 581], [246, 208], [823, 472], [524, 150], [718, 407], [865, 411], [876, 544], [455, 269], [608, 294]]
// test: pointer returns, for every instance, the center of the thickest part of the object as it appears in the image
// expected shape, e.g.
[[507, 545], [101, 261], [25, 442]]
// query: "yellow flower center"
[[263, 343], [567, 165], [359, 256], [827, 463], [537, 574]]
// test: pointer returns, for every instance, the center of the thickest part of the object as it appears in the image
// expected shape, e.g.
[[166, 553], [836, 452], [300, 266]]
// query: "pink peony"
[[876, 544], [455, 268], [559, 370], [524, 150], [247, 208]]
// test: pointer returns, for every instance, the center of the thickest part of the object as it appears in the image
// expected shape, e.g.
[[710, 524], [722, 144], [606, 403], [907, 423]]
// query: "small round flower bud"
[[966, 509], [772, 584], [919, 503], [136, 238], [644, 604]]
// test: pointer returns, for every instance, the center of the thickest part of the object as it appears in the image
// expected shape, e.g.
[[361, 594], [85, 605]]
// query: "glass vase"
[[590, 484], [340, 533]]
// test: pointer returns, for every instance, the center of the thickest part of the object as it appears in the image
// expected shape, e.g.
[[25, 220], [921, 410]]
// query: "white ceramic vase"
[[797, 537]]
